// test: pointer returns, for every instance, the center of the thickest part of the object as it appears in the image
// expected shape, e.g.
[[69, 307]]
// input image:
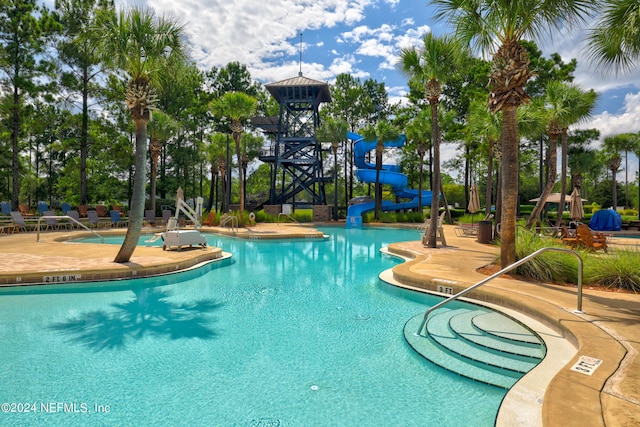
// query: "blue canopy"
[[606, 220]]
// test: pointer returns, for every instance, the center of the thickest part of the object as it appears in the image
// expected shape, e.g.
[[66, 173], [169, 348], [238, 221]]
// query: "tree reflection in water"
[[149, 314]]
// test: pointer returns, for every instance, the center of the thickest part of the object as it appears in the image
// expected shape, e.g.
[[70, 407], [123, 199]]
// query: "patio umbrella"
[[179, 195], [474, 201], [576, 211]]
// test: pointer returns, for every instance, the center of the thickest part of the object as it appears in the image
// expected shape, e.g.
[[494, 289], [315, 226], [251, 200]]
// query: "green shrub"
[[547, 267], [618, 269], [387, 217], [262, 216], [469, 218], [303, 215], [408, 217], [526, 209]]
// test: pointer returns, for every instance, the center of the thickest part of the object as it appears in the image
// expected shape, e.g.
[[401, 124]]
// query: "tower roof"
[[300, 87]]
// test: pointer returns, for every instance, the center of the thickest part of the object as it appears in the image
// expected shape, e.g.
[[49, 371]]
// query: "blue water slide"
[[389, 175]]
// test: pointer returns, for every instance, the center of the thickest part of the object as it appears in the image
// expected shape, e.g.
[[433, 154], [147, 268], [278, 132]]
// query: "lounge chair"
[[25, 211], [568, 237], [43, 207], [166, 214], [102, 211], [6, 208], [116, 219], [467, 230], [471, 230], [21, 224], [65, 207], [587, 239], [53, 223], [82, 210], [94, 219], [75, 215], [211, 219], [150, 217]]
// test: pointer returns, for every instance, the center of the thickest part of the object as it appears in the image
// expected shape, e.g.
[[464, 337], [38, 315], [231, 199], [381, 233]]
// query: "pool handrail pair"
[[501, 272], [228, 218]]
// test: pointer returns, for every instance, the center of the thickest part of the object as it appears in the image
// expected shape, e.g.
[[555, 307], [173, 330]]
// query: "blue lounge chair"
[[42, 207], [6, 208], [116, 219]]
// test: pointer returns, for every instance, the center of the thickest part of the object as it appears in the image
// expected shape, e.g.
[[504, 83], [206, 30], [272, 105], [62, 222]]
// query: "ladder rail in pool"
[[501, 272]]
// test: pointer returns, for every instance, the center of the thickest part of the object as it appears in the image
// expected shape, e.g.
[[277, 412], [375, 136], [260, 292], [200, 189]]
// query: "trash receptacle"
[[485, 231]]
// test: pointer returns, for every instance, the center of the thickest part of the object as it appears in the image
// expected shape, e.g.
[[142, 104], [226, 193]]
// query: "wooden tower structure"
[[296, 155]]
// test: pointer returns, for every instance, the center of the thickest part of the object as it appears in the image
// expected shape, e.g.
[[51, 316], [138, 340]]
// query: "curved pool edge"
[[58, 260], [552, 307]]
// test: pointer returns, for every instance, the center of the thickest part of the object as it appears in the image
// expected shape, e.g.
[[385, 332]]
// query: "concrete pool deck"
[[608, 330]]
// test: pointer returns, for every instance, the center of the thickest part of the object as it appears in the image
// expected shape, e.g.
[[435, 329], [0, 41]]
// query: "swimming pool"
[[287, 333]]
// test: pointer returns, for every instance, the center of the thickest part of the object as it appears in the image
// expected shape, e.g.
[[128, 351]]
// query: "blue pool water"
[[287, 333]]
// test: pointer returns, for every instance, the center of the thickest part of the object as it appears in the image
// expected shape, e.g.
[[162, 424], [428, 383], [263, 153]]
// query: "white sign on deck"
[[586, 365]]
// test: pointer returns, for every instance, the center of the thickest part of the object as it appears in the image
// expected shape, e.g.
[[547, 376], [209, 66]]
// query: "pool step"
[[483, 345]]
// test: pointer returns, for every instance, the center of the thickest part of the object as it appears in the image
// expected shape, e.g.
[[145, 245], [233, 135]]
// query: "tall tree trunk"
[[335, 183], [563, 178], [84, 139], [489, 191], [509, 176], [551, 180], [136, 211], [421, 156], [346, 174], [155, 147], [435, 189], [236, 139], [15, 148], [626, 179], [377, 187], [212, 189]]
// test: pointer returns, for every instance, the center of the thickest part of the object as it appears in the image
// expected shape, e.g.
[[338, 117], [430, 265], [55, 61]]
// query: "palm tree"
[[237, 107], [216, 157], [484, 23], [580, 104], [612, 146], [626, 142], [487, 126], [436, 60], [564, 105], [160, 130], [614, 42], [334, 131], [141, 45], [382, 132], [419, 131]]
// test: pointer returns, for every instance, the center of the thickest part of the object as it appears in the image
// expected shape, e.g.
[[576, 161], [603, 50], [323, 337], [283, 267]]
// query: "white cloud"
[[612, 124], [572, 45], [256, 34]]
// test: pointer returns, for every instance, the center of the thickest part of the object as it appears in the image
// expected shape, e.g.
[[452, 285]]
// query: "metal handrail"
[[67, 217], [501, 272], [234, 222]]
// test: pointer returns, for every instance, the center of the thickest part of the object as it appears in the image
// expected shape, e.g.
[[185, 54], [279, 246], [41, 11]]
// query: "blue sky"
[[360, 37]]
